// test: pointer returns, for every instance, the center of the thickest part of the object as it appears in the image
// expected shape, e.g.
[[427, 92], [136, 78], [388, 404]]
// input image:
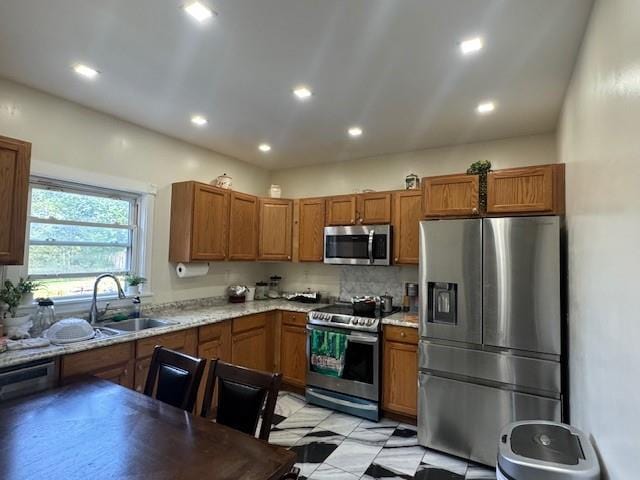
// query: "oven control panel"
[[344, 321]]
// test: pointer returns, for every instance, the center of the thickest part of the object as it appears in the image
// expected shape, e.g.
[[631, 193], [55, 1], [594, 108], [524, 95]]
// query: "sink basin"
[[137, 324]]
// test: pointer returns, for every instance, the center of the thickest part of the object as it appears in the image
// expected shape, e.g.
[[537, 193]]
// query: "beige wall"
[[67, 134], [599, 139], [388, 172]]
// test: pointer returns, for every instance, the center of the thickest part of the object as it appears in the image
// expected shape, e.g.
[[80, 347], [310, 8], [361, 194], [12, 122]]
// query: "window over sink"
[[77, 232]]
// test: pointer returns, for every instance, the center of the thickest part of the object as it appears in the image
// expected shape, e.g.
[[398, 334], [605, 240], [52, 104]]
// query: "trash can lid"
[[532, 450], [551, 443]]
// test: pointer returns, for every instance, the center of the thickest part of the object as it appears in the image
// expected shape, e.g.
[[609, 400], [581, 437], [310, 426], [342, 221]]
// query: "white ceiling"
[[391, 66]]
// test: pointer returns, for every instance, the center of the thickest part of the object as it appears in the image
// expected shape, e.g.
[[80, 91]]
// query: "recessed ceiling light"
[[471, 45], [264, 147], [199, 11], [302, 92], [199, 120], [85, 71], [486, 107], [355, 131]]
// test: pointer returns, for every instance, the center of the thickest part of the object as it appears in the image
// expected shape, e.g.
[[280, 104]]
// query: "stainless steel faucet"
[[93, 313]]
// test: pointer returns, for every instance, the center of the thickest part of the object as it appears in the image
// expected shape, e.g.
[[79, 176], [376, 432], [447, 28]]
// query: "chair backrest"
[[244, 396], [175, 377]]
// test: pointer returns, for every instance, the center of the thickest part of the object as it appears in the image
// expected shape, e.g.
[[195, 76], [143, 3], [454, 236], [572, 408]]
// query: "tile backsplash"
[[362, 280], [346, 280]]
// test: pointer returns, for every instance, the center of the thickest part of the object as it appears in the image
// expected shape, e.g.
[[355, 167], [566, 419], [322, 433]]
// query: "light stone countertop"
[[185, 318], [401, 319], [191, 317]]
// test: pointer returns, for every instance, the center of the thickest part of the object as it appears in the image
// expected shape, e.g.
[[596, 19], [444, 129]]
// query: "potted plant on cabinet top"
[[11, 295], [133, 284]]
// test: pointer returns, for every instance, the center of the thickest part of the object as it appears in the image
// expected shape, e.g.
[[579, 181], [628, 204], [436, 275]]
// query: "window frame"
[[142, 211]]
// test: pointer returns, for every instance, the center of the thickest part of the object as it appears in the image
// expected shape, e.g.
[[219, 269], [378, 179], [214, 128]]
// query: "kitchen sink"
[[138, 324]]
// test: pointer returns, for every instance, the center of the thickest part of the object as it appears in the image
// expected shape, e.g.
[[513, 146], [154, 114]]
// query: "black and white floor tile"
[[334, 446]]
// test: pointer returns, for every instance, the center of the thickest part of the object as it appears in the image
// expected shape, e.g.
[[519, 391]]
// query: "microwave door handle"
[[370, 249]]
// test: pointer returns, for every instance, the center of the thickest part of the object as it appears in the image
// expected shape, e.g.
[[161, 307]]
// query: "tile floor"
[[335, 446]]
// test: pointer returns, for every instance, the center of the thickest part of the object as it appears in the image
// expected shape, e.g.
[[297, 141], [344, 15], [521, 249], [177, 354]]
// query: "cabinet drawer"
[[250, 322], [95, 360], [294, 318], [401, 334], [184, 341], [212, 332]]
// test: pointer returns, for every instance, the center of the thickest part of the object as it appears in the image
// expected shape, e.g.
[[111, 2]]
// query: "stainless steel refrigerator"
[[490, 330]]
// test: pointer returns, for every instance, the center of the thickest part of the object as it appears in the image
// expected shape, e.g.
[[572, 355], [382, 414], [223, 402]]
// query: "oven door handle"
[[370, 246], [361, 339], [354, 338]]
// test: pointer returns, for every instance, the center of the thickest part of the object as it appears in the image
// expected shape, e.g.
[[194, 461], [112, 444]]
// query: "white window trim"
[[141, 258]]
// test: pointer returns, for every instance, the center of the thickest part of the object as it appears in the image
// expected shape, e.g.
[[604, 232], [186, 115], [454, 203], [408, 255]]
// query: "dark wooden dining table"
[[94, 429]]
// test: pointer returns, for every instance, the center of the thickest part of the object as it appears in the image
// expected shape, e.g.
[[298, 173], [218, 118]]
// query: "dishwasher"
[[27, 378]]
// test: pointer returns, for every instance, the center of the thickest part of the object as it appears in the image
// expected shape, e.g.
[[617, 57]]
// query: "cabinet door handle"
[[402, 334]]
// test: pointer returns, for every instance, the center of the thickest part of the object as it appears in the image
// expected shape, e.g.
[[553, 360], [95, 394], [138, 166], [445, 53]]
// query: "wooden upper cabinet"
[[243, 231], [199, 218], [374, 208], [341, 210], [407, 213], [451, 196], [276, 217], [15, 157], [311, 230], [537, 189]]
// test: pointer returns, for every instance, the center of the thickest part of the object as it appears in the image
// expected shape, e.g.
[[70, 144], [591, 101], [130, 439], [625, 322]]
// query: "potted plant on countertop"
[[27, 287], [11, 296], [133, 284]]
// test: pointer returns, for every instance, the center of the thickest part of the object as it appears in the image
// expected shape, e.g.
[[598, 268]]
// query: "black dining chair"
[[244, 396], [175, 378]]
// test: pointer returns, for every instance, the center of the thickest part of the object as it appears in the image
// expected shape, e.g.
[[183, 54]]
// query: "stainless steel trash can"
[[536, 450]]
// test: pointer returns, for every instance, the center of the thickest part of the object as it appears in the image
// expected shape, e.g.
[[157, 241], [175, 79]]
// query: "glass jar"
[[44, 317], [261, 291], [274, 286]]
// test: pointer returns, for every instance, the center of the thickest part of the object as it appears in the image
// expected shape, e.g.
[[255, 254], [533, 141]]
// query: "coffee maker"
[[411, 292]]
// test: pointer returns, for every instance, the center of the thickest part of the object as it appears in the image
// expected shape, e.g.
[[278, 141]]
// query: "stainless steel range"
[[343, 360]]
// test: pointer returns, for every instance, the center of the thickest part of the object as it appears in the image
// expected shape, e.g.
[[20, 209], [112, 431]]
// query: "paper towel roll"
[[192, 270]]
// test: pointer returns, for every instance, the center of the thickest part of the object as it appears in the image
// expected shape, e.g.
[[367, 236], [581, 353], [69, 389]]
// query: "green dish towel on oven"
[[327, 352]]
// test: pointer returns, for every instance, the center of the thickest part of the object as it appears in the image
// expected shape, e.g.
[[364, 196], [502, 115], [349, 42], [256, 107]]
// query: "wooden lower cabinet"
[[185, 341], [215, 342], [293, 348], [400, 370], [250, 342], [114, 363]]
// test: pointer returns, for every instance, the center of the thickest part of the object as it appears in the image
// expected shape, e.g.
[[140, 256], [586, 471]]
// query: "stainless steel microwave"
[[358, 245]]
